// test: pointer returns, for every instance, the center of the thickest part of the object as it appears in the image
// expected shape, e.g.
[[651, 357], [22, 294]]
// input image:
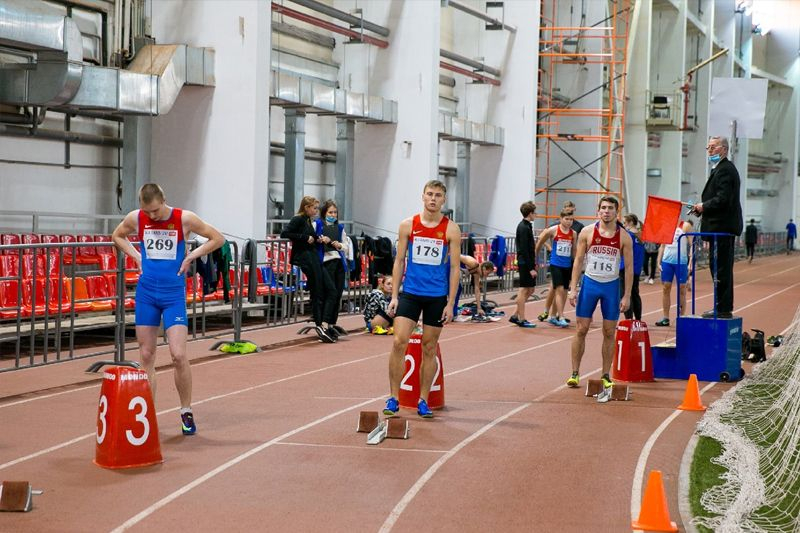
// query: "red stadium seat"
[[9, 266], [111, 283], [9, 299], [108, 262], [80, 307], [104, 250], [28, 268], [31, 304], [10, 239], [68, 251], [132, 277], [87, 255], [96, 287], [30, 238]]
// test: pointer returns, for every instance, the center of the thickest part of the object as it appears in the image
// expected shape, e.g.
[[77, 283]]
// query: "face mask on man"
[[714, 158], [330, 220]]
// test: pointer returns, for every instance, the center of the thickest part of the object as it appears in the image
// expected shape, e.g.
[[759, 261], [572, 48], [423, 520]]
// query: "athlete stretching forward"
[[161, 290], [433, 244], [602, 245]]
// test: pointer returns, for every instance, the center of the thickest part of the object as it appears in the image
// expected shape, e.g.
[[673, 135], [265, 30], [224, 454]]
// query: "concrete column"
[[345, 148], [294, 165], [463, 181], [136, 138]]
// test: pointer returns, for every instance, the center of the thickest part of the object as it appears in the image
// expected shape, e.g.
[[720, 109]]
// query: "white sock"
[[185, 410]]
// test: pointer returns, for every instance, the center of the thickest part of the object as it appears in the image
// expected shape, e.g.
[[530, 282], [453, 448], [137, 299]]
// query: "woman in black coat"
[[300, 230]]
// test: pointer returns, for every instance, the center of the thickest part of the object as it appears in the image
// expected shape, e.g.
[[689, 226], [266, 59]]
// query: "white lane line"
[[46, 450], [684, 482], [394, 515], [638, 474], [228, 359], [365, 447], [424, 478], [233, 462], [45, 396], [212, 398]]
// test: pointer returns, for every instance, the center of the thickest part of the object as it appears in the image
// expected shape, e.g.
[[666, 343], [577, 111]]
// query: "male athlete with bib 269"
[[161, 291]]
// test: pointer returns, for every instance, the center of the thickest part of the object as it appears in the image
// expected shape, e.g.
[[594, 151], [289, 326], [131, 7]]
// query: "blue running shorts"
[[152, 305], [670, 271], [593, 291]]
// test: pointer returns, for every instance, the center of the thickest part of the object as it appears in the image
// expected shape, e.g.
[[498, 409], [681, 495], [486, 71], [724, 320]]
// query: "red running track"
[[513, 450]]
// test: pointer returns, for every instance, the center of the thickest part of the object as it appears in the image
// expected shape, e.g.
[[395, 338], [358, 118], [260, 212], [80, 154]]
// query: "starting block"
[[16, 496], [391, 428], [618, 391], [367, 421], [396, 428]]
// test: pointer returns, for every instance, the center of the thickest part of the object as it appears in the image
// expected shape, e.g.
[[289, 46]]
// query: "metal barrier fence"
[[49, 292]]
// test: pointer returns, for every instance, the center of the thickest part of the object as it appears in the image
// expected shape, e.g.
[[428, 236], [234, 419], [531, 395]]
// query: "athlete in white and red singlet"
[[602, 245]]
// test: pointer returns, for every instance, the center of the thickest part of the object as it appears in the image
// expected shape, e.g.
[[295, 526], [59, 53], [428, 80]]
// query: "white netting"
[[758, 424]]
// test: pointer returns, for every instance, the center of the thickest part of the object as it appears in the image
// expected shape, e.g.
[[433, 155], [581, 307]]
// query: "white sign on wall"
[[738, 99]]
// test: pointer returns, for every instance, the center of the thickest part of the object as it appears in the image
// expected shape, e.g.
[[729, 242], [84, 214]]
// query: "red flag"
[[661, 219]]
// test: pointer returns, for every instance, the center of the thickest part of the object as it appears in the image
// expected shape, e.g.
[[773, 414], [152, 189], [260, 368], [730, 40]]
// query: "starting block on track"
[[16, 496], [367, 421], [391, 428], [618, 391], [396, 428]]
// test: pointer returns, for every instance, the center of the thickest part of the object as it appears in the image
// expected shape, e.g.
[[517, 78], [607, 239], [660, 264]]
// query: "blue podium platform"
[[708, 347]]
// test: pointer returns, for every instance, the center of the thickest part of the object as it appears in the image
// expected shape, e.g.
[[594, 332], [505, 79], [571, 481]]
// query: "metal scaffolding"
[[566, 49]]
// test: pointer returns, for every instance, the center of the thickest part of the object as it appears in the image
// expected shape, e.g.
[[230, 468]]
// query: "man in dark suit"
[[721, 212]]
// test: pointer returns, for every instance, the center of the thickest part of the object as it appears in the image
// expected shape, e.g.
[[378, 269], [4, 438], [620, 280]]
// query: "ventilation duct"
[[318, 98], [458, 129], [55, 77], [151, 83], [58, 78]]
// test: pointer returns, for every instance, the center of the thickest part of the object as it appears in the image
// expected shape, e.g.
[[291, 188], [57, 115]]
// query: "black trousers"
[[320, 287], [722, 263], [649, 267], [335, 270], [635, 307], [751, 249]]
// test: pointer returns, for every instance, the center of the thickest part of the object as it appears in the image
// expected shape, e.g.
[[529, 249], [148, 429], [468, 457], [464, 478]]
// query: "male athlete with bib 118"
[[161, 290], [433, 244], [602, 245]]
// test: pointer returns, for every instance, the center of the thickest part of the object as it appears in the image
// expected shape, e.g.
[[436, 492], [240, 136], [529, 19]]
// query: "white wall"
[[31, 187], [211, 151], [503, 178], [393, 162]]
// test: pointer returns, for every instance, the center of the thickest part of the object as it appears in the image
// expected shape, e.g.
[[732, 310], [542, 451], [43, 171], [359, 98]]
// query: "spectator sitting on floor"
[[376, 318]]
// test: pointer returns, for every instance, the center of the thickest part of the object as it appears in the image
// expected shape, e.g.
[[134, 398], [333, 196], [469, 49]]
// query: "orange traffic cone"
[[691, 399], [654, 515]]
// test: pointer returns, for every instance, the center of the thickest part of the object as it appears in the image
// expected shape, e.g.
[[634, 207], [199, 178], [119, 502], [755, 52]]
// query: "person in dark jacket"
[[750, 239], [332, 248], [300, 230], [721, 212], [633, 227], [526, 260]]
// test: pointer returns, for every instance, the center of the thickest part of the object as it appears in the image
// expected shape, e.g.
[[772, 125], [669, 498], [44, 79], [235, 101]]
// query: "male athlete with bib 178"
[[433, 245], [601, 245], [161, 290]]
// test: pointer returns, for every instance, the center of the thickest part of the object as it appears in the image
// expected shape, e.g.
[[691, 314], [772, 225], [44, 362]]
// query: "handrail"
[[694, 261]]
